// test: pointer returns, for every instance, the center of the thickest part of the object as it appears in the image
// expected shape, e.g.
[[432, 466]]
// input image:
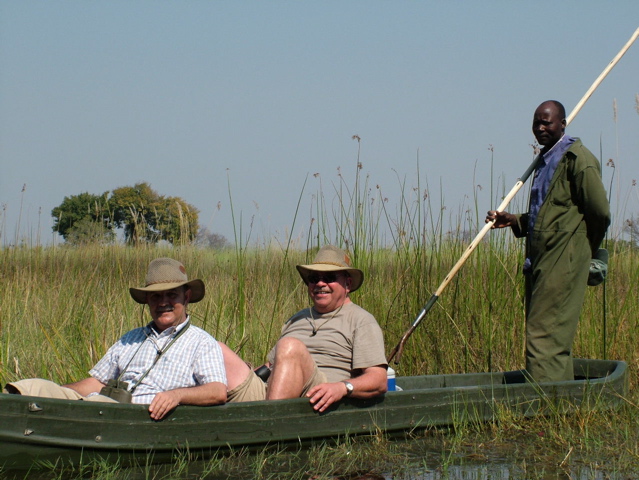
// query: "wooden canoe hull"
[[34, 429]]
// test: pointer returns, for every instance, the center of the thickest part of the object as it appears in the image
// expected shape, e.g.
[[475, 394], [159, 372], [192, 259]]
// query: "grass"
[[61, 308], [74, 303]]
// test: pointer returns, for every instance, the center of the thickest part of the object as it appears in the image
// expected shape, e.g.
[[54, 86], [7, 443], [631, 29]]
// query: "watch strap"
[[349, 387]]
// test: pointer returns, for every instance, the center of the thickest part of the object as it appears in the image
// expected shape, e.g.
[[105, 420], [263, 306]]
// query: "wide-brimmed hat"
[[166, 274], [332, 259]]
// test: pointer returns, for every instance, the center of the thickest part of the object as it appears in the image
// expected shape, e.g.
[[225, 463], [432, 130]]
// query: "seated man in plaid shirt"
[[164, 364]]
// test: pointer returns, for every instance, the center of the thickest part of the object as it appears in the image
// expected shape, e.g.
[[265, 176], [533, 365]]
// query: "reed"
[[72, 303], [63, 307]]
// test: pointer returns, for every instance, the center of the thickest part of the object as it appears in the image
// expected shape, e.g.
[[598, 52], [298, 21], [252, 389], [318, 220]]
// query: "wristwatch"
[[349, 387]]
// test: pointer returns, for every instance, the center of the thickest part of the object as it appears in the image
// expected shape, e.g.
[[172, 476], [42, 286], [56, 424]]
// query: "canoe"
[[35, 430]]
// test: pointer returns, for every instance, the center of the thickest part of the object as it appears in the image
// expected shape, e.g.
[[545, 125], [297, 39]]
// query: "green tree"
[[144, 215], [85, 207], [133, 211], [147, 216], [177, 221], [87, 231]]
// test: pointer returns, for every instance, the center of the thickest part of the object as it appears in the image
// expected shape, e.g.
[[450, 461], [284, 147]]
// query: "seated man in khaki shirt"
[[333, 349]]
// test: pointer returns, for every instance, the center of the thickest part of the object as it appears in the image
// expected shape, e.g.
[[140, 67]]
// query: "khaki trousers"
[[38, 387]]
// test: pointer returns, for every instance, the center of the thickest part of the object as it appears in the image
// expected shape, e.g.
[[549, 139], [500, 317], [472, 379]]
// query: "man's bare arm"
[[213, 393], [369, 384], [86, 386]]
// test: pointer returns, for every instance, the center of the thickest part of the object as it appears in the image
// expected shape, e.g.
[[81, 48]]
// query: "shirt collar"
[[562, 144], [151, 330]]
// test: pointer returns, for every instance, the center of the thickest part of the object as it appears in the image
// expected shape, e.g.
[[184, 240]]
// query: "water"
[[434, 457], [496, 471]]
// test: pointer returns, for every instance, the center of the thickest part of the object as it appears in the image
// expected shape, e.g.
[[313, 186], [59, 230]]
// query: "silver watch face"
[[349, 387]]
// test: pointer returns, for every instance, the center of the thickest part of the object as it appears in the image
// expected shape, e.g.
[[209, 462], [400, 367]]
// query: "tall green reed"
[[72, 303]]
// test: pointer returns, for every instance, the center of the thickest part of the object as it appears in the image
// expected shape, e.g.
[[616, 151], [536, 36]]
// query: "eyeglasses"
[[324, 277]]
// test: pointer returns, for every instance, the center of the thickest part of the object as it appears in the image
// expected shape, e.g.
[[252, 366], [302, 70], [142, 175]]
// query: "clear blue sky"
[[191, 95]]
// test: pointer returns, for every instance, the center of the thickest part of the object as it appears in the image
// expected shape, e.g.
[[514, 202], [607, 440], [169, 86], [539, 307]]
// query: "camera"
[[117, 390], [263, 372]]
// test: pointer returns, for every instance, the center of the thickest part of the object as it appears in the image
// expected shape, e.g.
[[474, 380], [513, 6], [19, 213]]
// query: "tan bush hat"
[[332, 259], [166, 274]]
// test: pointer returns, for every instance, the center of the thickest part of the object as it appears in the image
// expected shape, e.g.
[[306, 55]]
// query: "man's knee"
[[289, 347], [38, 387]]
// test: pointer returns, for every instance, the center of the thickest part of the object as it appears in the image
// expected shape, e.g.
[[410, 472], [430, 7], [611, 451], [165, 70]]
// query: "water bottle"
[[390, 375]]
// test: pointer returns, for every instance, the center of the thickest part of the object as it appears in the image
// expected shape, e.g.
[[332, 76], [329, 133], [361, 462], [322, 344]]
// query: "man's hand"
[[324, 395], [502, 219], [213, 393], [370, 383], [163, 403]]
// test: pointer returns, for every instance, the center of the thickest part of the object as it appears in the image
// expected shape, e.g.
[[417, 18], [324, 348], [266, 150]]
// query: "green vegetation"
[[63, 307], [144, 215]]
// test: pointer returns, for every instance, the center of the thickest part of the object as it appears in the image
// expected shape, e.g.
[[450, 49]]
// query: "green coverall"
[[569, 228]]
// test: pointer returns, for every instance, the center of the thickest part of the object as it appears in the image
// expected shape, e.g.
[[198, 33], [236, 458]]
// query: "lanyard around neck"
[[157, 357]]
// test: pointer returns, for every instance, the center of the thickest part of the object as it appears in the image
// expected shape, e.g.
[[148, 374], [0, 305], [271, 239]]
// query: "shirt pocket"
[[174, 372], [560, 195]]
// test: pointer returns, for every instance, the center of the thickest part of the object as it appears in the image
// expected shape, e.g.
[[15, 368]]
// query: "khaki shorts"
[[250, 390], [253, 388], [317, 378]]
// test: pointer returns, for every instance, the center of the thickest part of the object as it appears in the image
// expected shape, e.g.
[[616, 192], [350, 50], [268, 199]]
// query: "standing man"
[[334, 349], [566, 221], [164, 364]]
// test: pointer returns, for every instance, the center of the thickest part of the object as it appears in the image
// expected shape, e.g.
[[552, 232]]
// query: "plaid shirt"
[[194, 359]]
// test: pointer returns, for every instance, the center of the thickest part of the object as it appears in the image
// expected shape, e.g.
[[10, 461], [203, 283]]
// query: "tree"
[[205, 238], [144, 215], [87, 231], [632, 229], [85, 207], [147, 216], [133, 208], [178, 221]]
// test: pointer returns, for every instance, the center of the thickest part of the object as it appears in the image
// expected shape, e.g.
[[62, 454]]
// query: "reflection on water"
[[505, 472], [483, 471], [423, 459], [489, 471]]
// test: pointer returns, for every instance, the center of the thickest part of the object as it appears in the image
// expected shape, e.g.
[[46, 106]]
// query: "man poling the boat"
[[566, 221], [596, 263], [164, 364], [334, 349]]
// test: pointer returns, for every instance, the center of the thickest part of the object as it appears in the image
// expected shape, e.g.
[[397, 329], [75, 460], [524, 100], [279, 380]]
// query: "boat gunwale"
[[393, 407]]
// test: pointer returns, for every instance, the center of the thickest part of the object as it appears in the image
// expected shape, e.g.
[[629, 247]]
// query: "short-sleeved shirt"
[[345, 341], [194, 359]]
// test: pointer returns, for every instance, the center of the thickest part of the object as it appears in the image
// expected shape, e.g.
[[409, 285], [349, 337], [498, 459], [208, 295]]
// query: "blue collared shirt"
[[541, 182]]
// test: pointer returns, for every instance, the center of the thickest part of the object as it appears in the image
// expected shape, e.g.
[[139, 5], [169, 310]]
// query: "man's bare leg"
[[293, 367], [236, 369]]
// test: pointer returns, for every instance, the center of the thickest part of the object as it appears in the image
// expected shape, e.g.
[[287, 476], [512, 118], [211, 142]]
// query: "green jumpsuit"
[[569, 228]]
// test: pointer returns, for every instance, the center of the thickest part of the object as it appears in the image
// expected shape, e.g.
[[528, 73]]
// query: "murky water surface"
[[504, 472], [477, 471], [433, 458]]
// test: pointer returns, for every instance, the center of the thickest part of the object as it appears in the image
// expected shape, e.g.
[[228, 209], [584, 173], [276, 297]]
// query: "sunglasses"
[[324, 277]]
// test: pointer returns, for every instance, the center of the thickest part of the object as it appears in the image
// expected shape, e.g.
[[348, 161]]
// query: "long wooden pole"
[[397, 351]]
